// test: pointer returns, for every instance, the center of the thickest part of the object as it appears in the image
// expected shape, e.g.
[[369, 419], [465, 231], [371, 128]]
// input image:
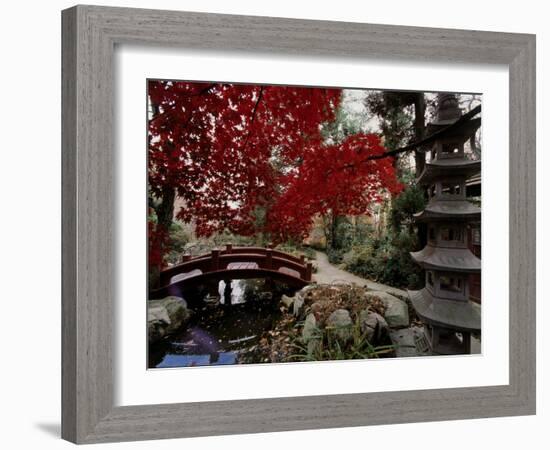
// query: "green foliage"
[[384, 258], [343, 234], [179, 237], [297, 250], [395, 113], [387, 260], [410, 201], [226, 237], [326, 344], [344, 124], [335, 256]]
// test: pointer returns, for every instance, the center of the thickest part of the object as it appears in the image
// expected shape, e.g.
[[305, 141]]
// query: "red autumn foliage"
[[335, 179], [228, 149]]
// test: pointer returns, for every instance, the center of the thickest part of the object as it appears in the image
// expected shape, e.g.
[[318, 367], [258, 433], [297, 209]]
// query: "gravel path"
[[327, 274]]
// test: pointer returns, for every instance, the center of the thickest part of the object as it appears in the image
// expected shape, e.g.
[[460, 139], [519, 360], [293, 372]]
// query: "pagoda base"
[[444, 341]]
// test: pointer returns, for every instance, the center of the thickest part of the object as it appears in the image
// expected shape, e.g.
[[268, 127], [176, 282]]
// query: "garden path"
[[327, 274]]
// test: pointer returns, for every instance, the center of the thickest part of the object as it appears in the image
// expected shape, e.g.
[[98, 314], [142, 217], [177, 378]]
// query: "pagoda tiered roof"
[[462, 131], [447, 259], [460, 315], [447, 167], [455, 209]]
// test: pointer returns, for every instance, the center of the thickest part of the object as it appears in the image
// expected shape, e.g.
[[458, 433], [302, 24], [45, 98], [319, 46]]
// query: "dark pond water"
[[227, 320]]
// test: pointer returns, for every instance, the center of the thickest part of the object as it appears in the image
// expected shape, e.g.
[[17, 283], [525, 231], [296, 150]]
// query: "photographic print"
[[293, 224]]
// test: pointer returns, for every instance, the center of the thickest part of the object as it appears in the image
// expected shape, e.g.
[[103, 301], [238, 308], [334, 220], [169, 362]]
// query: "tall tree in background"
[[402, 119]]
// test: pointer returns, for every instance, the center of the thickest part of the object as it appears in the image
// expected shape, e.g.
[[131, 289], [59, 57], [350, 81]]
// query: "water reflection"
[[228, 319]]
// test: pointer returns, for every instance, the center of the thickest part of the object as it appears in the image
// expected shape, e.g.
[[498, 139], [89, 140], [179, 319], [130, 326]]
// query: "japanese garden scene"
[[297, 224]]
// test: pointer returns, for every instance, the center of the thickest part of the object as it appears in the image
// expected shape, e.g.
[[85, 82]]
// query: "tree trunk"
[[419, 130], [165, 210], [165, 214], [333, 225]]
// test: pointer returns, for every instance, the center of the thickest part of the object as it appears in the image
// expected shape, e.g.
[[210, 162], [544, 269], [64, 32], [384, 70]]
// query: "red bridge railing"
[[261, 262]]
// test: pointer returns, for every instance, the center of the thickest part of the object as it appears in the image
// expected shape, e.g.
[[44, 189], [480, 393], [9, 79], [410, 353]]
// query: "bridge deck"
[[234, 263], [242, 265]]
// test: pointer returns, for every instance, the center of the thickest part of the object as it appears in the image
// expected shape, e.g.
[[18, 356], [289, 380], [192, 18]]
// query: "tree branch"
[[431, 138], [253, 117], [434, 136]]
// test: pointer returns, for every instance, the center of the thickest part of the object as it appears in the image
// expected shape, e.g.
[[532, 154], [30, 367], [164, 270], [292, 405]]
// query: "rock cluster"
[[341, 306], [166, 316]]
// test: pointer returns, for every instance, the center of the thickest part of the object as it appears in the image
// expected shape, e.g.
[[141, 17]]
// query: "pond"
[[227, 320]]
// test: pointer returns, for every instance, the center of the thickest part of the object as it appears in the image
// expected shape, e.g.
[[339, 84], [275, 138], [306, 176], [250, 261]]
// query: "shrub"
[[297, 250], [410, 201], [388, 261], [335, 255], [179, 237]]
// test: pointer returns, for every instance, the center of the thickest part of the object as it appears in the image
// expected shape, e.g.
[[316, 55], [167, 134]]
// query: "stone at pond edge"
[[341, 321], [397, 312], [165, 316], [373, 324], [287, 301]]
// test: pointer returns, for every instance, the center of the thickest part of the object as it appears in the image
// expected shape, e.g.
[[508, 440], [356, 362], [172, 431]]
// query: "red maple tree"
[[339, 180], [228, 149]]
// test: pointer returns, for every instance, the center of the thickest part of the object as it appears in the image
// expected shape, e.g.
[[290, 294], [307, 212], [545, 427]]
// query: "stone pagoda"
[[444, 305]]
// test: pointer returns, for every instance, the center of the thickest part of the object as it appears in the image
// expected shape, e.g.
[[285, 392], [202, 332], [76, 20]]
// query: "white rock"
[[287, 301]]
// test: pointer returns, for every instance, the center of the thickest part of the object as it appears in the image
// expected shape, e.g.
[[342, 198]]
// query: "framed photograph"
[[277, 224]]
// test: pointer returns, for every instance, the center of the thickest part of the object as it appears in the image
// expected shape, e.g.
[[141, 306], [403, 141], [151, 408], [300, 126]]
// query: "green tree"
[[402, 117]]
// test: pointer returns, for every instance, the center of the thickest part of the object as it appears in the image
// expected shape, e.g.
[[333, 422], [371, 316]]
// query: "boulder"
[[397, 312], [373, 325], [340, 321], [165, 317]]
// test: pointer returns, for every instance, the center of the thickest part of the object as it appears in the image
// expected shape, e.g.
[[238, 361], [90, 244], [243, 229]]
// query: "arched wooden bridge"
[[234, 263]]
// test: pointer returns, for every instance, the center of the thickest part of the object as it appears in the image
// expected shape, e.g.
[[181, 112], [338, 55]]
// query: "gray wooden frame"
[[89, 36]]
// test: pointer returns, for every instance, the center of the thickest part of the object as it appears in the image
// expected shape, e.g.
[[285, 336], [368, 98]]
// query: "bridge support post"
[[215, 260], [229, 248], [227, 292], [268, 258], [309, 271], [302, 259]]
